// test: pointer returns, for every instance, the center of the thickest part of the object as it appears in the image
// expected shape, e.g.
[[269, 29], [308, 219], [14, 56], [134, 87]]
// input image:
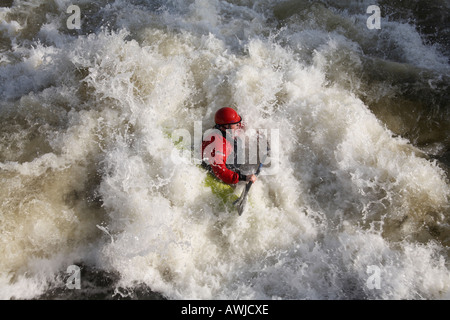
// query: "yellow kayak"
[[223, 191]]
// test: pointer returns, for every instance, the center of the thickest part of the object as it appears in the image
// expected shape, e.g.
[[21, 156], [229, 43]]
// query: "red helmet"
[[227, 115]]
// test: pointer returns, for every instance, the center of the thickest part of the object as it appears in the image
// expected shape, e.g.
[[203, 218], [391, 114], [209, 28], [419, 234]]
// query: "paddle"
[[242, 201]]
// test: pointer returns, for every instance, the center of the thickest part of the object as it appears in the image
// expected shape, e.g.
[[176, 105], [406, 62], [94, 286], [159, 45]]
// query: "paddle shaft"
[[249, 184], [243, 198]]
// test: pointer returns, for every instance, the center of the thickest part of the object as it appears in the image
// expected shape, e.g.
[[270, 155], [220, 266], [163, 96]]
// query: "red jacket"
[[215, 151]]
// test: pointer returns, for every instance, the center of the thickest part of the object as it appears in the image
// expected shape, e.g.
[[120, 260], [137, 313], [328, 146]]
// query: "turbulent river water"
[[94, 189]]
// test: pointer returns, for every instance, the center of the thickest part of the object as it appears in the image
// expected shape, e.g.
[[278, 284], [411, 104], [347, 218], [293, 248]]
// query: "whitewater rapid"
[[89, 177]]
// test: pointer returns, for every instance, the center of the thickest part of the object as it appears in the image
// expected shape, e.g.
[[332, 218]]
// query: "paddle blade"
[[242, 205], [239, 200]]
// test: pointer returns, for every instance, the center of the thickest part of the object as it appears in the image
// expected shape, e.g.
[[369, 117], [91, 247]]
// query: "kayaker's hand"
[[251, 178]]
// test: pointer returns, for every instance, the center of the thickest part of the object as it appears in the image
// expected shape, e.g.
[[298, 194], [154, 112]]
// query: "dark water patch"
[[412, 102], [21, 141], [6, 3], [429, 17], [97, 284]]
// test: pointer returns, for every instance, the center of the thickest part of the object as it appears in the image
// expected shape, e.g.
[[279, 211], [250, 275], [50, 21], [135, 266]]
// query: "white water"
[[87, 175]]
